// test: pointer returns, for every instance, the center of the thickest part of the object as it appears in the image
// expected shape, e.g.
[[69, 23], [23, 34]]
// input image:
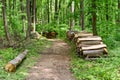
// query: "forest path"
[[54, 63]]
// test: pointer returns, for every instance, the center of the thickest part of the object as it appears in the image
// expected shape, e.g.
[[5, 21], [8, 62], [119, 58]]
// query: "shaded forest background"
[[20, 17]]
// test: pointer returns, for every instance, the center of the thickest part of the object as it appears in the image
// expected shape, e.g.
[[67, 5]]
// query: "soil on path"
[[54, 63]]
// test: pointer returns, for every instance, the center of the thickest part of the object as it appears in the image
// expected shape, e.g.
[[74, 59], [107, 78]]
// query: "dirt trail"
[[53, 64]]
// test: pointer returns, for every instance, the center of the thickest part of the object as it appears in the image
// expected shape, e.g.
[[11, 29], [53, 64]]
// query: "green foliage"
[[101, 69]]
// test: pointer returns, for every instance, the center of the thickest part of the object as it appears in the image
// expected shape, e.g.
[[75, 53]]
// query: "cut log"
[[91, 42], [12, 65], [93, 38], [105, 51], [93, 52], [94, 47], [83, 35]]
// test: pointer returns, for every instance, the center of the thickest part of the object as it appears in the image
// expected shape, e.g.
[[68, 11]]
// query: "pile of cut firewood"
[[88, 46]]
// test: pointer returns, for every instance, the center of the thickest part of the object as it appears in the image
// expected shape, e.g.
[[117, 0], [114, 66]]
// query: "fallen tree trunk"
[[12, 65]]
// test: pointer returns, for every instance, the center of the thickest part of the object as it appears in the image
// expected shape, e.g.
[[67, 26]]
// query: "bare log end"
[[10, 67]]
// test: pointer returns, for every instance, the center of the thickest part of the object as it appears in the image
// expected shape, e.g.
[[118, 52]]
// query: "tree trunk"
[[48, 11], [34, 15], [6, 24], [51, 9], [82, 14], [72, 22], [22, 17], [94, 17], [107, 10], [9, 12], [12, 65], [60, 13], [29, 19], [56, 11]]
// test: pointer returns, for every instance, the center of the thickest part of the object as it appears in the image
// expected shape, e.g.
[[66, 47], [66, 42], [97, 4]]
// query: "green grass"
[[34, 47], [101, 69]]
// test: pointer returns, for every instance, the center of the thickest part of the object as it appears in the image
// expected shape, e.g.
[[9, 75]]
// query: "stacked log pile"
[[88, 46]]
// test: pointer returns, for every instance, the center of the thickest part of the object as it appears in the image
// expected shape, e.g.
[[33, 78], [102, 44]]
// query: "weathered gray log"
[[12, 65], [93, 38], [91, 42], [83, 35], [93, 52], [93, 47]]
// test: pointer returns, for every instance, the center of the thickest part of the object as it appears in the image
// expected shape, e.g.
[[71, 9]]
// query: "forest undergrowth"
[[7, 54]]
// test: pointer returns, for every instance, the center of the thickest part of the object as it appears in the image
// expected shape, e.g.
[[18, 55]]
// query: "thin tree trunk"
[[9, 11], [51, 9], [60, 13], [29, 19], [56, 11], [34, 15], [107, 10], [94, 18], [82, 14], [23, 17], [48, 11], [6, 24], [72, 22]]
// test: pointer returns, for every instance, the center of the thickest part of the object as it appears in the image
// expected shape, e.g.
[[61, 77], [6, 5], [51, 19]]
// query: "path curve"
[[54, 63]]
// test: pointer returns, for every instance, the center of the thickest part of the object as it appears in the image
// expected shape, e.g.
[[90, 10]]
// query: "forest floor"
[[53, 64]]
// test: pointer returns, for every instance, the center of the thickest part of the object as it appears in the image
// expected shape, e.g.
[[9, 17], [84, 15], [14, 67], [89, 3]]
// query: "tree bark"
[[48, 11], [82, 14], [22, 17], [29, 19], [56, 11], [72, 22], [34, 15], [94, 17], [6, 24]]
